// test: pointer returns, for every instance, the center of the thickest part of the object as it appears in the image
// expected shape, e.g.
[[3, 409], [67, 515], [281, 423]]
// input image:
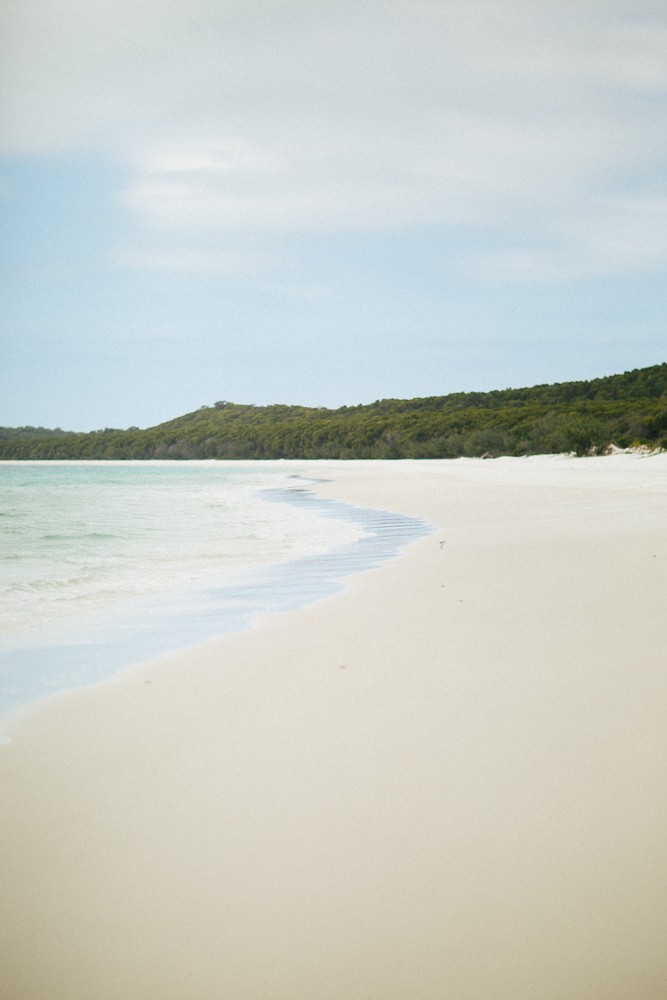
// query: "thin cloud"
[[614, 236], [193, 260], [277, 118]]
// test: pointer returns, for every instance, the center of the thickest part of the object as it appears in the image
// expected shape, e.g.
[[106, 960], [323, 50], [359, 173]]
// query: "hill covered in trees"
[[582, 417]]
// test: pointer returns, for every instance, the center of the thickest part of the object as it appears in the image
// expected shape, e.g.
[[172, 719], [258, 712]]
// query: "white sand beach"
[[447, 783]]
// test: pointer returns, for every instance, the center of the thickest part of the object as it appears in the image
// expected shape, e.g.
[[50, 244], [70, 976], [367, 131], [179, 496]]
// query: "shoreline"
[[447, 780], [151, 627]]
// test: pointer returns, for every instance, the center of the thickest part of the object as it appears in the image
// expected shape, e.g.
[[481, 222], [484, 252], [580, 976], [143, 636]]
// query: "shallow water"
[[107, 564]]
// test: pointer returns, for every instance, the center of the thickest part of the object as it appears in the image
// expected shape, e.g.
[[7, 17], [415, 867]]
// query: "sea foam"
[[107, 564]]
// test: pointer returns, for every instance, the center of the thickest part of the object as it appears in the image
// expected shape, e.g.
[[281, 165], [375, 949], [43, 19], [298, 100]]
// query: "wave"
[[273, 556]]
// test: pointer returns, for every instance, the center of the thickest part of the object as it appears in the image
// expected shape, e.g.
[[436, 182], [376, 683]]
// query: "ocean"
[[107, 564]]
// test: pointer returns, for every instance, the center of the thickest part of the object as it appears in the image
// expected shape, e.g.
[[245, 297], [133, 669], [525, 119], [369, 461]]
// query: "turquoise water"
[[103, 565]]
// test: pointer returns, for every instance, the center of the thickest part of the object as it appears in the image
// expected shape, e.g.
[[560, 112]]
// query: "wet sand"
[[450, 781]]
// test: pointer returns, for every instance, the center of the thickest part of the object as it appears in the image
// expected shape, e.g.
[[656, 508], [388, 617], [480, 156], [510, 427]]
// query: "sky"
[[324, 203]]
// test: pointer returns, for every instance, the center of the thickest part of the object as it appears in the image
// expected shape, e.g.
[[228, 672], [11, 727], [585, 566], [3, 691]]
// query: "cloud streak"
[[535, 122]]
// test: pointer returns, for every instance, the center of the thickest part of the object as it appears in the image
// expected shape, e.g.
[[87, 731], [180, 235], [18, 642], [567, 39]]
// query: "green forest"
[[587, 417]]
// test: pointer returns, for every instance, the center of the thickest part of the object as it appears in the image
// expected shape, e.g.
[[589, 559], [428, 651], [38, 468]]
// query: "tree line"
[[585, 417]]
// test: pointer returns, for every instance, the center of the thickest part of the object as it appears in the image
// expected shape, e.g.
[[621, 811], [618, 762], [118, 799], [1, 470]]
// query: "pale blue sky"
[[324, 203]]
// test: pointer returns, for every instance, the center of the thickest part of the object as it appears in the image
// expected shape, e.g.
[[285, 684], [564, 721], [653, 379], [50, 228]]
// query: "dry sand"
[[447, 782]]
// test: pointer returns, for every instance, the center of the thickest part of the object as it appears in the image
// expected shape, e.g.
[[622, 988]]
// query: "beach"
[[447, 781]]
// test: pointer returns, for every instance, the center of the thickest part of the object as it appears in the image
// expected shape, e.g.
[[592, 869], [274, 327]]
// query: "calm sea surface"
[[106, 564]]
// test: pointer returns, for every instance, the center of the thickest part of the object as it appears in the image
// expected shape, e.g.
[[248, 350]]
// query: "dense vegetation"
[[582, 417]]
